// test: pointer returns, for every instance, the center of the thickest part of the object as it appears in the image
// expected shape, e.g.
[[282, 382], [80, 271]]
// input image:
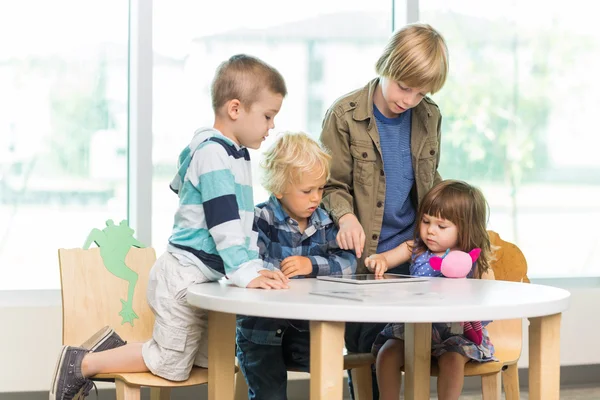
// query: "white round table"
[[418, 304]]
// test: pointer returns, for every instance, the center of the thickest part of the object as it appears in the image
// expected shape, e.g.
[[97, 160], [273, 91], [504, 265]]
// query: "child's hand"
[[269, 280], [296, 265], [351, 235], [377, 264], [275, 274]]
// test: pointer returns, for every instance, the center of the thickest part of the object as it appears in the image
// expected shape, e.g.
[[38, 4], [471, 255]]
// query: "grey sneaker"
[[68, 379], [85, 390], [105, 339]]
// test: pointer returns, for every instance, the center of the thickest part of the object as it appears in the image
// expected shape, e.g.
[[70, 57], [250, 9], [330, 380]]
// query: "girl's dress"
[[442, 340]]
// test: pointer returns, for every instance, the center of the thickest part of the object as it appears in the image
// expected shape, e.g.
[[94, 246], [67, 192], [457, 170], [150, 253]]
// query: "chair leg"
[[160, 393], [510, 381], [362, 380], [126, 392], [490, 386], [241, 387]]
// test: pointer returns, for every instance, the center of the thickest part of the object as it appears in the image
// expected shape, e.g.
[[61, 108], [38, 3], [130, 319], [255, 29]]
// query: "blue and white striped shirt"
[[213, 226]]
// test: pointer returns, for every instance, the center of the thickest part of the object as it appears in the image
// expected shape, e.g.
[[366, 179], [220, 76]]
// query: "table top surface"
[[435, 300]]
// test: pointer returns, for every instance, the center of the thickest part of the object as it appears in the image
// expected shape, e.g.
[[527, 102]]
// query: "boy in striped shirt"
[[212, 236], [298, 238]]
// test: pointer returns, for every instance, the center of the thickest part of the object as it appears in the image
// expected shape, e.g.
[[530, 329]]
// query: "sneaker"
[[68, 379], [105, 339], [86, 389]]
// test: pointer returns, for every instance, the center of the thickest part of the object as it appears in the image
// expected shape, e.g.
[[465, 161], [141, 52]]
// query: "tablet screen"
[[371, 277]]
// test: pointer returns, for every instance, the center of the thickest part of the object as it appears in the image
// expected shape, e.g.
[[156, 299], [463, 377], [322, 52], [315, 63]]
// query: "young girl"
[[453, 216]]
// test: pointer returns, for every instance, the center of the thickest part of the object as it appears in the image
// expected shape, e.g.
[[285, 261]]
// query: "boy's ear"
[[233, 109], [278, 195]]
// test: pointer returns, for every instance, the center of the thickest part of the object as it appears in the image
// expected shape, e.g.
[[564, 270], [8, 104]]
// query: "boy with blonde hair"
[[298, 238], [212, 236], [385, 138]]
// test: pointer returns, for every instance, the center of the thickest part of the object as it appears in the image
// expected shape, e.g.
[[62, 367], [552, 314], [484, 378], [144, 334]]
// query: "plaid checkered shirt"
[[278, 238]]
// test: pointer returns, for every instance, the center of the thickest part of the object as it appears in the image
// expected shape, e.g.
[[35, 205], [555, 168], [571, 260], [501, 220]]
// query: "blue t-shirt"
[[399, 212]]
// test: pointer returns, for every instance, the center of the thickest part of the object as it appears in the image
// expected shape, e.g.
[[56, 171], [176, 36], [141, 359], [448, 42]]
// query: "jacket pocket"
[[427, 161], [364, 157]]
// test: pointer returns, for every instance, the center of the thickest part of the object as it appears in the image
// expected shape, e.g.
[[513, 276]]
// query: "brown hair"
[[417, 56], [465, 206], [243, 77]]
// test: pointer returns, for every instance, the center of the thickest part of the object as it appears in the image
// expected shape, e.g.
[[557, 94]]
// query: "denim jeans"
[[265, 366]]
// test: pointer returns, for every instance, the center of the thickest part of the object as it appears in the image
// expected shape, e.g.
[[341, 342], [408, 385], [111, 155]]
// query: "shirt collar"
[[234, 148], [320, 218]]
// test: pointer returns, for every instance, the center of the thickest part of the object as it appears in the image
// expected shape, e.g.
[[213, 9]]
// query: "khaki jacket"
[[357, 183]]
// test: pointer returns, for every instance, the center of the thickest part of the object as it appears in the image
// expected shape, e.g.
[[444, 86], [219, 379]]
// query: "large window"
[[520, 121], [323, 49], [63, 131], [519, 111]]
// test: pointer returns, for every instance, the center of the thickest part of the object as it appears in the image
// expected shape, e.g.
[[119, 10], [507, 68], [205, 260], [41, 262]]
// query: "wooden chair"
[[506, 335], [91, 299]]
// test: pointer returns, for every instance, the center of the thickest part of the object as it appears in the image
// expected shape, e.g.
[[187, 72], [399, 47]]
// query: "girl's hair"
[[291, 156], [464, 206], [417, 56]]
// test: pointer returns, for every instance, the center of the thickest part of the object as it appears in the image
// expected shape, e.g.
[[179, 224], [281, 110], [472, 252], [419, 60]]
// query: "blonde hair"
[[417, 56], [465, 206], [243, 77], [291, 156]]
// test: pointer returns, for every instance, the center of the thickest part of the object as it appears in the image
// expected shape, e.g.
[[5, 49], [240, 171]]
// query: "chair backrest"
[[93, 296], [509, 265]]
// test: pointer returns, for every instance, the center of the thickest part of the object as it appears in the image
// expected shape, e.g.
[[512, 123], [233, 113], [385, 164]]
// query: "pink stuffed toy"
[[458, 264]]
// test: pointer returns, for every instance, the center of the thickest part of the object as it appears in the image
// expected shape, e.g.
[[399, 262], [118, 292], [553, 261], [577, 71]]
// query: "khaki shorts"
[[180, 335]]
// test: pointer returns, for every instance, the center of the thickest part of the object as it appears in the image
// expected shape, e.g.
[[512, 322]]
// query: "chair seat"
[[198, 376], [506, 356], [478, 369], [355, 360]]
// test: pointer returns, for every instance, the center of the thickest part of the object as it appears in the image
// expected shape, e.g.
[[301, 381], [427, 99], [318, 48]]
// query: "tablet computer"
[[363, 279]]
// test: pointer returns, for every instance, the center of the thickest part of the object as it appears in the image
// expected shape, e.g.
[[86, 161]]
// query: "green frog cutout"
[[114, 242]]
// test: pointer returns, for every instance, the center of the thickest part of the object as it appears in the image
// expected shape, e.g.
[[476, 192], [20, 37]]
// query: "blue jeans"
[[265, 366]]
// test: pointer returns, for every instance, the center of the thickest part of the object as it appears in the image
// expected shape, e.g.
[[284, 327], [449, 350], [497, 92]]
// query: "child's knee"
[[451, 361], [393, 349]]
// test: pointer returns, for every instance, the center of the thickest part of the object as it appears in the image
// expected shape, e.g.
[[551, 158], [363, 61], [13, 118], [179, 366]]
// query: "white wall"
[[30, 336]]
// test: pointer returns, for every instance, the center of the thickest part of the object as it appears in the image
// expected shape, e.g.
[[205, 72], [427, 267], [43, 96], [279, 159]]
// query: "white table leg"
[[221, 355], [544, 357], [326, 360], [417, 361]]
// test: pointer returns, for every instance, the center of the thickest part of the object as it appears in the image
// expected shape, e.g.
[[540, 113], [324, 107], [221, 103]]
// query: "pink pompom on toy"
[[455, 263], [458, 264]]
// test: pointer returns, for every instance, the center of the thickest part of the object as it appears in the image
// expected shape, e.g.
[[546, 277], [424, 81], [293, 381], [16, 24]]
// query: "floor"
[[575, 393]]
